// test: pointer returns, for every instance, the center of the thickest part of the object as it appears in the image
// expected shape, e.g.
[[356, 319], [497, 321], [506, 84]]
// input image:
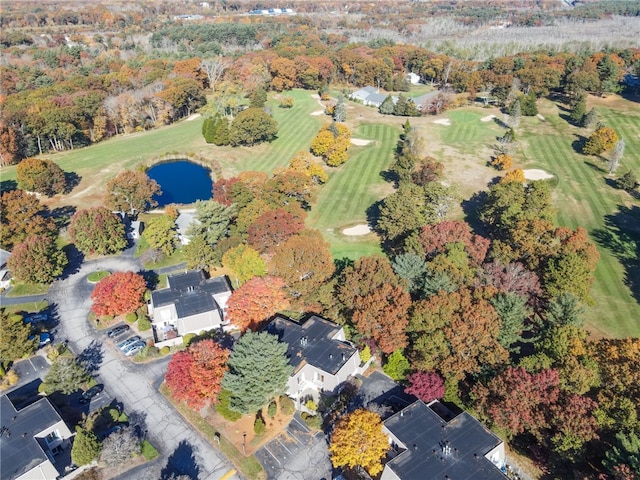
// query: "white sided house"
[[321, 357], [191, 303], [428, 441], [370, 96]]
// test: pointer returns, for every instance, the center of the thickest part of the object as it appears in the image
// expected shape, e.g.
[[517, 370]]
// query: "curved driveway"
[[182, 449]]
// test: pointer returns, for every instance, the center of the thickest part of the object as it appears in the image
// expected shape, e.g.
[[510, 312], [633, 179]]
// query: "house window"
[[319, 377], [52, 437]]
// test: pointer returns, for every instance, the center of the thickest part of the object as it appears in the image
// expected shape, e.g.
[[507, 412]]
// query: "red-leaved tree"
[[435, 238], [255, 301], [273, 228], [118, 294], [518, 401], [427, 386], [194, 376]]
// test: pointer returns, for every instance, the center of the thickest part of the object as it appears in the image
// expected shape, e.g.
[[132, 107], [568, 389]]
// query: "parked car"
[[34, 318], [135, 348], [129, 341], [94, 391], [117, 331], [44, 338]]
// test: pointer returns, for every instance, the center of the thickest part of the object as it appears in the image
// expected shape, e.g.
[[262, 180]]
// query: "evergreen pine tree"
[[387, 107], [86, 447], [209, 128], [590, 119], [221, 135], [258, 371], [528, 104], [400, 108], [578, 110], [628, 181]]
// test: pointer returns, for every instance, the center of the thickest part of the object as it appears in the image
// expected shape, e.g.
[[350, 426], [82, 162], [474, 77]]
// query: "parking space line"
[[269, 452], [297, 439], [304, 427], [285, 447]]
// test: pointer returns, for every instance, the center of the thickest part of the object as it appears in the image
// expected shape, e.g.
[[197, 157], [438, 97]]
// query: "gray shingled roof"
[[312, 342], [439, 449], [191, 293], [19, 450]]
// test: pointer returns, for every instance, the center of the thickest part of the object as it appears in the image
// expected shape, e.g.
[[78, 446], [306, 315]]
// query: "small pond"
[[181, 181]]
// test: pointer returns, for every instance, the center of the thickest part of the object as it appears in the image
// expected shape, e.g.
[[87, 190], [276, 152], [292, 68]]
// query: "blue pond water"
[[181, 181]]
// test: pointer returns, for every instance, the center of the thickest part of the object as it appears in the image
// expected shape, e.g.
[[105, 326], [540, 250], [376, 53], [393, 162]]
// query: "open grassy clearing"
[[584, 197], [352, 188]]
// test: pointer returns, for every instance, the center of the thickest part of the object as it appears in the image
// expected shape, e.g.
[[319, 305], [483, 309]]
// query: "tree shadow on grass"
[[72, 180], [62, 215], [471, 209], [8, 185], [621, 236], [578, 143], [181, 462], [595, 167]]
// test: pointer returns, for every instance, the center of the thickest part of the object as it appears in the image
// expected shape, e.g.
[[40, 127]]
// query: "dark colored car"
[[117, 331], [94, 391]]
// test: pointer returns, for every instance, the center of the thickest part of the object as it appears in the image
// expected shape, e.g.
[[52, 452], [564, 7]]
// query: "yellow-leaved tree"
[[358, 440]]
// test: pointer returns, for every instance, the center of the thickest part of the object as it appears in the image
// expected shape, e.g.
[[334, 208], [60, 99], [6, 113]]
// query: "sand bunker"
[[361, 229], [360, 141], [540, 117], [536, 174], [193, 117], [318, 112], [488, 118], [443, 121]]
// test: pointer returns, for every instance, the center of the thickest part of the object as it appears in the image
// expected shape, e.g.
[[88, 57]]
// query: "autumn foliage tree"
[[603, 139], [23, 215], [358, 441], [502, 161], [304, 262], [427, 386], [245, 263], [195, 375], [272, 228], [332, 143], [131, 191], [255, 301], [118, 294], [40, 175], [97, 231], [37, 260]]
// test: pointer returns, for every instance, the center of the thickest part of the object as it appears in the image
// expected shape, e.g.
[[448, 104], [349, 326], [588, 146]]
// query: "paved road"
[[183, 450]]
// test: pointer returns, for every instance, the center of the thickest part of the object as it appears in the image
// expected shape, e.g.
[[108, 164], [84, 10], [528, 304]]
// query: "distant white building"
[[414, 78], [370, 96], [5, 276]]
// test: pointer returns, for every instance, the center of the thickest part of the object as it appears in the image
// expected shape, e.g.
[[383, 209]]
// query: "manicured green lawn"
[[296, 129], [585, 197], [466, 132], [352, 188], [23, 289]]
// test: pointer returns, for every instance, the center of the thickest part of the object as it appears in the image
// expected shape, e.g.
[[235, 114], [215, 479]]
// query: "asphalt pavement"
[[183, 450]]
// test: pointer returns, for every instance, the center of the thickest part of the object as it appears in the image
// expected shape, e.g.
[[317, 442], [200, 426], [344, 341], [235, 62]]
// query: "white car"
[[134, 348], [128, 342]]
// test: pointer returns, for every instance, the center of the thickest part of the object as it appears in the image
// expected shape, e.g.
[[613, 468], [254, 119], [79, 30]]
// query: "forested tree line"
[[62, 95]]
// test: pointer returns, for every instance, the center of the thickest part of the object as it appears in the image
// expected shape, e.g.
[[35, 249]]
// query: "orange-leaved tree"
[[119, 293], [358, 441], [195, 375], [256, 301]]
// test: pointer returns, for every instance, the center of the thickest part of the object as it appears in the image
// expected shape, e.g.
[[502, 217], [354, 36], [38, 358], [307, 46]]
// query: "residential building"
[[30, 440], [5, 276], [413, 78], [321, 357], [370, 96], [191, 303], [428, 441]]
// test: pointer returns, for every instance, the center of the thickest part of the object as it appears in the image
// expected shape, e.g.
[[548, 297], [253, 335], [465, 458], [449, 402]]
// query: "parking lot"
[[296, 454]]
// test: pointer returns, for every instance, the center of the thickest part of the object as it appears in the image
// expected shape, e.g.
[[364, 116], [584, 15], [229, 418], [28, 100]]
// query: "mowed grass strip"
[[584, 198], [296, 129], [352, 188], [467, 132]]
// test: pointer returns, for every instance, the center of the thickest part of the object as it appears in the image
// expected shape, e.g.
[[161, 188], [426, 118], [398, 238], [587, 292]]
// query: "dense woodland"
[[492, 313]]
